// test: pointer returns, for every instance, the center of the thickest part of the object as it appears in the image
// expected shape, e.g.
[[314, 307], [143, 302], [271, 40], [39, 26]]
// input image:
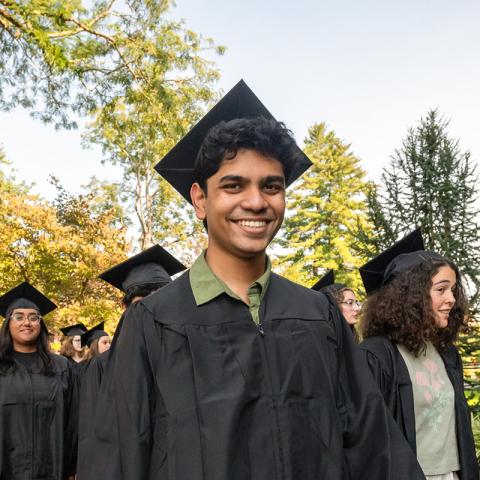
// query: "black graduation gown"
[[37, 423], [201, 393], [391, 375], [97, 454]]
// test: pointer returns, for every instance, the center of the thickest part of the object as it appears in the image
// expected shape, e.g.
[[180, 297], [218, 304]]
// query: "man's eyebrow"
[[273, 178], [232, 178], [442, 281]]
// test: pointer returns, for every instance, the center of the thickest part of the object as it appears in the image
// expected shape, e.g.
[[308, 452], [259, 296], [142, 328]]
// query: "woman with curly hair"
[[411, 321], [38, 428]]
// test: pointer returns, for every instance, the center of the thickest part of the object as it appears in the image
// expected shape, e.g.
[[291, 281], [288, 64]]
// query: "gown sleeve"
[[71, 405], [133, 395], [374, 446], [98, 446], [88, 401]]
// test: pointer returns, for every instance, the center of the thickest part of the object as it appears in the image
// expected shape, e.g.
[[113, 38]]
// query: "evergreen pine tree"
[[430, 183], [327, 203]]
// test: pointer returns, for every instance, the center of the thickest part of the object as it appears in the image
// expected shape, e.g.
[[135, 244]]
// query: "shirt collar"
[[206, 285]]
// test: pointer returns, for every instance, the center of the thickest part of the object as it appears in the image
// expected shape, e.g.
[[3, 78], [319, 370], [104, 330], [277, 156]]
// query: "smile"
[[252, 223]]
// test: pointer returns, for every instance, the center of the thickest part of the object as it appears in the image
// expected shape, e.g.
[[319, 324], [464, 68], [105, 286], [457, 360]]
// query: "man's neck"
[[237, 273]]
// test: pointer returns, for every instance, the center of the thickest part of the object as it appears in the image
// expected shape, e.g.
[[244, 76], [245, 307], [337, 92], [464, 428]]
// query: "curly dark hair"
[[266, 136], [402, 310], [7, 362]]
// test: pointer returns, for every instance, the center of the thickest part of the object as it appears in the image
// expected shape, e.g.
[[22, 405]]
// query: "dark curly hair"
[[7, 362], [402, 310], [266, 136]]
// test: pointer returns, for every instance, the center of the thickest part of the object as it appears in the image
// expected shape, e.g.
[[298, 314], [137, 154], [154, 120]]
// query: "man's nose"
[[254, 200]]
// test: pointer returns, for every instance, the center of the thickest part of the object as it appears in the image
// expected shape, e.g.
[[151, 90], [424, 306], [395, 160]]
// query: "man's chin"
[[251, 251]]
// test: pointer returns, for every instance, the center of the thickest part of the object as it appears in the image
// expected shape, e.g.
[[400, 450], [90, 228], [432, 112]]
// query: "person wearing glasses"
[[415, 309], [37, 393], [344, 297]]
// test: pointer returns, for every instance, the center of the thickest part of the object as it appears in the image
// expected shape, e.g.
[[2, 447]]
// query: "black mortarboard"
[[327, 283], [152, 266], [96, 332], [328, 280], [25, 296], [400, 257], [72, 330], [177, 167]]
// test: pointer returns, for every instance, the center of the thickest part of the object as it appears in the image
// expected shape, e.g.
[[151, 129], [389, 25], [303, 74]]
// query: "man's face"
[[245, 204]]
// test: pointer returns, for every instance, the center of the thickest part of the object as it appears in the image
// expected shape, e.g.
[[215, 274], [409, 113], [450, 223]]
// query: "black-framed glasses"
[[352, 303], [21, 317]]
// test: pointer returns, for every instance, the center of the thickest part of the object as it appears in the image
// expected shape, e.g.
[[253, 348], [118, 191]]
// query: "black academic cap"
[[327, 283], [177, 167], [406, 261], [72, 330], [152, 266], [373, 272], [25, 296], [96, 332]]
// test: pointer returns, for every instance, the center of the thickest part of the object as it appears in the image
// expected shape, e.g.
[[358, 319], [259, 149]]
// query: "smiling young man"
[[233, 372]]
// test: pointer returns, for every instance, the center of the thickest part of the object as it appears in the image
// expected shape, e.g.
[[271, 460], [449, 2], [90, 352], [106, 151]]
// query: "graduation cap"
[[25, 296], [177, 167], [90, 335], [72, 330], [400, 257], [327, 283], [152, 266]]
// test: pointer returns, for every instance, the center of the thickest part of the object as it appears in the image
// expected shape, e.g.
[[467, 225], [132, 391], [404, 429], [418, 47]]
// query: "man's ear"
[[198, 200]]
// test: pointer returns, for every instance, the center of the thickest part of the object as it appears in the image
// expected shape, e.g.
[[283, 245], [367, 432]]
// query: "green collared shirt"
[[206, 286]]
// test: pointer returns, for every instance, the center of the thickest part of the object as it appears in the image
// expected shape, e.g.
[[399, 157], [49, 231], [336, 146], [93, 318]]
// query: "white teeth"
[[252, 223]]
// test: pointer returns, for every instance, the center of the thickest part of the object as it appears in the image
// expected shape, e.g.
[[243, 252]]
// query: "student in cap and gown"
[[212, 382], [415, 309], [97, 340], [136, 277], [343, 297], [37, 393], [71, 347]]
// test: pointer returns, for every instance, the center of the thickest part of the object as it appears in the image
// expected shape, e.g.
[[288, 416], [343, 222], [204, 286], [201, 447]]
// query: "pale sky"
[[368, 68]]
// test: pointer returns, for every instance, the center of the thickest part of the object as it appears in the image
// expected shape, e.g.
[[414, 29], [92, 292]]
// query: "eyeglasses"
[[31, 317], [352, 303]]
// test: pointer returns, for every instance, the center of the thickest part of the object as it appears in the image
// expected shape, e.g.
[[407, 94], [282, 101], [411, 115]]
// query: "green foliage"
[[62, 57], [136, 138], [326, 206], [470, 350], [476, 433]]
